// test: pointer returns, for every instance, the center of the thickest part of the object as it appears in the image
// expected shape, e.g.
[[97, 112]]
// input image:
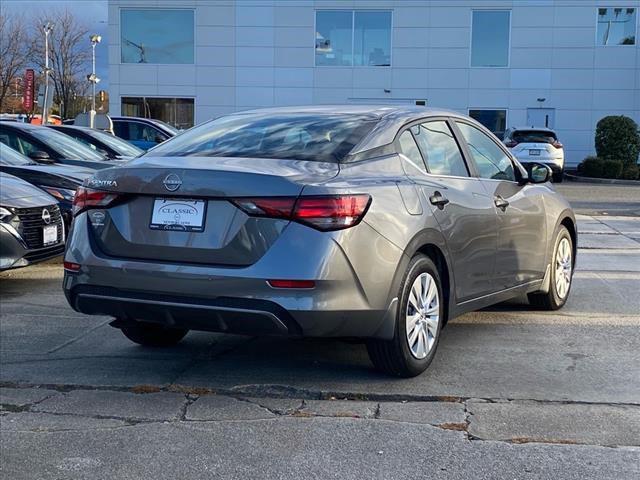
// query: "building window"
[[616, 26], [160, 36], [490, 38], [494, 120], [353, 38], [174, 111]]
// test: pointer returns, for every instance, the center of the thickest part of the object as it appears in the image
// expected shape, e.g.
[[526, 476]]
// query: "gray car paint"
[[487, 257]]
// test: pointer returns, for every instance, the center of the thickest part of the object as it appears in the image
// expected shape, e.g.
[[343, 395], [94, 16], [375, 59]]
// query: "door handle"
[[501, 203], [438, 200]]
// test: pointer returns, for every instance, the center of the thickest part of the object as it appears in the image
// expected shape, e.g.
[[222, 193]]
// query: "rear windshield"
[[534, 136], [321, 138]]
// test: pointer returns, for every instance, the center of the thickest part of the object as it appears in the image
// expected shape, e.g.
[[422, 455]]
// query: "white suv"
[[537, 144]]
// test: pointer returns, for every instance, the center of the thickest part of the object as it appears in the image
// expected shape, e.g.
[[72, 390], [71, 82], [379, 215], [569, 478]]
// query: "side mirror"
[[538, 172], [159, 139], [40, 156]]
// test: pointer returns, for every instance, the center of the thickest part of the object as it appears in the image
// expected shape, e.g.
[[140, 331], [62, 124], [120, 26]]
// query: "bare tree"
[[15, 52], [69, 57]]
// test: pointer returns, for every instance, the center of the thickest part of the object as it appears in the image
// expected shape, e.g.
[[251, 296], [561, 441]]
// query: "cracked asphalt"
[[512, 393]]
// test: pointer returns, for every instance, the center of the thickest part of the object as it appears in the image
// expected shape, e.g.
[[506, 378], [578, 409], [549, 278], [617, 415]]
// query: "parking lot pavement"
[[598, 199], [512, 393]]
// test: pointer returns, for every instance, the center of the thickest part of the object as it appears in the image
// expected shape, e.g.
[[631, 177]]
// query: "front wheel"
[[561, 275], [419, 320], [153, 335]]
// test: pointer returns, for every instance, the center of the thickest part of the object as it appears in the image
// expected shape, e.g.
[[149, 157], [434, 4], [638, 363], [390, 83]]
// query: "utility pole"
[[47, 27], [93, 78]]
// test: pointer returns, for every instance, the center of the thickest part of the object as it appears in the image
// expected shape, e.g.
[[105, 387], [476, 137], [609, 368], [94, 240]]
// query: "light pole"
[[93, 78], [47, 27]]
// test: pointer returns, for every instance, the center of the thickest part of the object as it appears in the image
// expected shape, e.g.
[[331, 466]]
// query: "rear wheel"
[[561, 274], [152, 335], [419, 321]]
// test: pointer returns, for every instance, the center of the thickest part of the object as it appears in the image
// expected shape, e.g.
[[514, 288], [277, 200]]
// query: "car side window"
[[440, 149], [491, 160], [409, 149], [121, 129]]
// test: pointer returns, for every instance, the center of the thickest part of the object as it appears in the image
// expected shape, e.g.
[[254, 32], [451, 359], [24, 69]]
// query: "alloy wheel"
[[564, 266], [422, 315]]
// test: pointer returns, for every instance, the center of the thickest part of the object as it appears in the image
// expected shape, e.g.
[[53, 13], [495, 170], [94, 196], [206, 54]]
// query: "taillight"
[[511, 143], [87, 198], [557, 144], [331, 212]]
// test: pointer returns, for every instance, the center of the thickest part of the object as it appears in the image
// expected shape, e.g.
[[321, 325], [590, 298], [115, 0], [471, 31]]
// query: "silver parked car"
[[374, 222], [539, 145]]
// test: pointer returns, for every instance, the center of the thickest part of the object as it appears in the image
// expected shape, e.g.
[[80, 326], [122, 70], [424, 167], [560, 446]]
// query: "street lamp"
[[93, 78], [47, 27]]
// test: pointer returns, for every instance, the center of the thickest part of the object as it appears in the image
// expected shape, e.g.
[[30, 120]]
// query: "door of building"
[[541, 117]]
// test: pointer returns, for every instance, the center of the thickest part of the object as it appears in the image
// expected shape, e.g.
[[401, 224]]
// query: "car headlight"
[[60, 193], [8, 217]]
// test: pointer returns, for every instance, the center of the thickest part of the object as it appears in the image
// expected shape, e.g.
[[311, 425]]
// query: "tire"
[[152, 335], [557, 295], [396, 356], [558, 177]]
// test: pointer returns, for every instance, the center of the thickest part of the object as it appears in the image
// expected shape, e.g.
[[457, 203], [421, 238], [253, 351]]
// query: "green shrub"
[[611, 168], [631, 172], [617, 138], [591, 167]]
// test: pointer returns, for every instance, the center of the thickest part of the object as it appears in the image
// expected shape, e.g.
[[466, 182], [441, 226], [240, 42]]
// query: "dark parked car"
[[59, 181], [31, 228], [376, 222], [104, 143], [45, 145], [144, 133]]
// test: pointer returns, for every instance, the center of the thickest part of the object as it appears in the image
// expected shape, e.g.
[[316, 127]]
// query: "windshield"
[[122, 147], [173, 130], [534, 136], [8, 156], [320, 138], [66, 146]]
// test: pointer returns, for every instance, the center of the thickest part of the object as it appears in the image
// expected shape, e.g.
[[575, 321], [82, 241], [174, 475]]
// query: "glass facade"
[[353, 38], [160, 36], [178, 112], [490, 38], [617, 26], [494, 120]]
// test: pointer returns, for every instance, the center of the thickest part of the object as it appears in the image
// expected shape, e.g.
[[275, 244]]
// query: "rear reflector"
[[326, 213], [86, 198], [291, 283], [72, 267]]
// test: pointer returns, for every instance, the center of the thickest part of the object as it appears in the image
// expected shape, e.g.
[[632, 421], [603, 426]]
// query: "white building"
[[563, 63]]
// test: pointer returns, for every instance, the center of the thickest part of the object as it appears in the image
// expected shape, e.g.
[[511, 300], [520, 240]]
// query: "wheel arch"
[[431, 243], [568, 221]]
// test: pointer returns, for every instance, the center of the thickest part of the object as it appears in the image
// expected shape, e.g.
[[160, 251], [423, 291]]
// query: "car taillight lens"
[[557, 144], [87, 198], [511, 144], [334, 212]]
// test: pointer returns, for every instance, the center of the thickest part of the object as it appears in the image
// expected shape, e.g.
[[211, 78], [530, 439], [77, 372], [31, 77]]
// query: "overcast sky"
[[93, 13]]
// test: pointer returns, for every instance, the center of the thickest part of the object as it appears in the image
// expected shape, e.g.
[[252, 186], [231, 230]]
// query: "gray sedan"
[[375, 222]]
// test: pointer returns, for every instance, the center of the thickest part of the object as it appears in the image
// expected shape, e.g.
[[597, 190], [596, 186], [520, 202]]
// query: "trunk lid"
[[225, 235]]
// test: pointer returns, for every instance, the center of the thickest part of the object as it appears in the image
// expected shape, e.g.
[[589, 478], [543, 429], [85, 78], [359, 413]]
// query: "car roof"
[[390, 118], [408, 112], [535, 129], [25, 126]]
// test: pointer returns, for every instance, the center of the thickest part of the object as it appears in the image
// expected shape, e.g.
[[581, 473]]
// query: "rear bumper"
[[239, 300]]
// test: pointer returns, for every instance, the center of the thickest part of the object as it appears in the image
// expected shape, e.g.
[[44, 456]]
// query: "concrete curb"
[[602, 181]]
